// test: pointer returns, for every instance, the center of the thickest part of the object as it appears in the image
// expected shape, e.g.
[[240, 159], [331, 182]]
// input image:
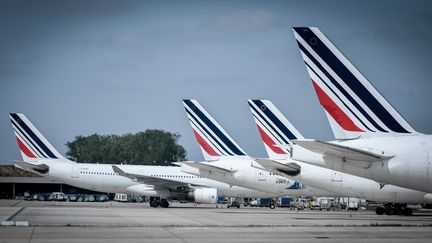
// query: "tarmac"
[[138, 222]]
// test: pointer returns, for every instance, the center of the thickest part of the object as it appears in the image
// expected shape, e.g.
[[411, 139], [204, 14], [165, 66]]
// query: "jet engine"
[[428, 198], [204, 195]]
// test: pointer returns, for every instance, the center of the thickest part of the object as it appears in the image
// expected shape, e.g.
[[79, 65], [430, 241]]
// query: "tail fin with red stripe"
[[274, 128], [352, 105], [32, 144], [214, 141]]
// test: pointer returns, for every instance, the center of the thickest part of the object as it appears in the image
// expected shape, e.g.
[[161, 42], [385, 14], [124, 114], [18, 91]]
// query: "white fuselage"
[[410, 167], [355, 186], [102, 178], [247, 173]]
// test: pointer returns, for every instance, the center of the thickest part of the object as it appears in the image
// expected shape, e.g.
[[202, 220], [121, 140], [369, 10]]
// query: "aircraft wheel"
[[380, 210], [154, 204], [235, 204], [407, 211], [389, 211], [164, 203]]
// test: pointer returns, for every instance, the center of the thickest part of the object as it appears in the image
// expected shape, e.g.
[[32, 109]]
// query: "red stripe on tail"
[[24, 149], [205, 145], [337, 113], [270, 143]]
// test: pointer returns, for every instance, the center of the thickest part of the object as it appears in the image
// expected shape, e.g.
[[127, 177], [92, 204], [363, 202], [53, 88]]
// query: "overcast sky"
[[114, 67]]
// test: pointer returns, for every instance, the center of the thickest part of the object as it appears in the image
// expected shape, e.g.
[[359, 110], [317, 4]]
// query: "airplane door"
[[261, 175], [336, 176], [75, 172]]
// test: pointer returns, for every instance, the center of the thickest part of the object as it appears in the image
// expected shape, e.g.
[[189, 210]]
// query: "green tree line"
[[151, 147]]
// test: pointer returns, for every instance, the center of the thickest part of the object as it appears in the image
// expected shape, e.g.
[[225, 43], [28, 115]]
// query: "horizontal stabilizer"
[[341, 151], [289, 169], [206, 166], [179, 163], [28, 166]]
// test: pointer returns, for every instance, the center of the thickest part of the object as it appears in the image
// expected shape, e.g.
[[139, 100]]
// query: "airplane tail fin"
[[353, 106], [275, 130], [214, 141], [32, 144]]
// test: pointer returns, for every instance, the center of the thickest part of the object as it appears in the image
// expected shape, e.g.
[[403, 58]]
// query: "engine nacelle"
[[428, 198], [204, 195]]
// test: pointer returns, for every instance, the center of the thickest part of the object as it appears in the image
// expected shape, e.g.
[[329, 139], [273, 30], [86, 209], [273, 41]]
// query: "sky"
[[112, 67]]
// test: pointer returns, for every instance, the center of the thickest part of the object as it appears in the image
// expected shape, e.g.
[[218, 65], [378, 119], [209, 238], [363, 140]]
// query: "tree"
[[151, 147]]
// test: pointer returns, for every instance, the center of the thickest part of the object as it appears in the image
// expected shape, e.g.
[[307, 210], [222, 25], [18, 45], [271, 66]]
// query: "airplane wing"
[[288, 169], [28, 166], [206, 166], [150, 180], [338, 150]]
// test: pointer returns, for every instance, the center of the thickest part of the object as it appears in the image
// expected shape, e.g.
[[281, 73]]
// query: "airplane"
[[373, 140], [277, 134], [166, 182], [227, 162]]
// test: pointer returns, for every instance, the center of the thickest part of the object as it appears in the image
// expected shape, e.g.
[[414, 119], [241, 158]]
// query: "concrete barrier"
[[22, 223], [7, 223]]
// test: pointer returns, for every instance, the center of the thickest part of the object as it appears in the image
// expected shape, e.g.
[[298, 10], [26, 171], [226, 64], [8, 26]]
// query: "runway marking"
[[31, 236], [13, 205], [15, 213], [173, 234]]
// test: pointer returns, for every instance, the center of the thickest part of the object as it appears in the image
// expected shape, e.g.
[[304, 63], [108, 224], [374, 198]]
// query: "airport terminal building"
[[14, 183]]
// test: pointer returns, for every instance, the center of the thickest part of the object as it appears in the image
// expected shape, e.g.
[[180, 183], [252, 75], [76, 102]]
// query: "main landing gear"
[[162, 202], [394, 209]]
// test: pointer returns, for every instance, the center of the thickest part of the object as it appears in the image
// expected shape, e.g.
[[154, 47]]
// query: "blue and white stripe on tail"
[[214, 141], [274, 128], [352, 105], [32, 144]]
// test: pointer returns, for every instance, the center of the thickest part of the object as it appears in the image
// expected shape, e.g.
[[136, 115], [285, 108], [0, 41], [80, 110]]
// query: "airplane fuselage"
[[410, 167], [355, 186], [247, 173], [101, 177]]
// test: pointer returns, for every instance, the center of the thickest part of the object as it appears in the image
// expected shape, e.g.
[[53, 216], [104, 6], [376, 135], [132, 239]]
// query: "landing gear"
[[154, 204], [234, 204], [389, 211], [380, 210], [394, 209], [407, 212], [164, 203], [159, 202]]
